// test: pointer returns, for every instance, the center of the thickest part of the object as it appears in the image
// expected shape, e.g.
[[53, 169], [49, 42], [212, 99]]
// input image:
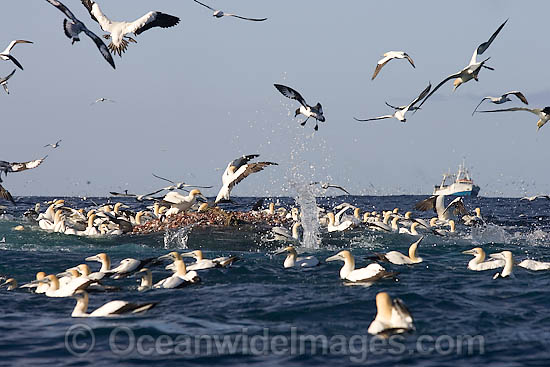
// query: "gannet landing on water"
[[102, 100], [4, 81], [54, 145], [478, 263], [391, 317], [219, 14], [5, 55], [112, 308], [74, 27], [503, 99], [369, 273], [309, 111], [543, 114], [532, 198], [389, 56], [400, 113], [118, 30], [236, 171], [397, 258], [293, 261], [472, 70], [437, 202], [508, 263]]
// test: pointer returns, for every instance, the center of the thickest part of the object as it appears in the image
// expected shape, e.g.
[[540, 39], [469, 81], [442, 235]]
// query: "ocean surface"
[[258, 313]]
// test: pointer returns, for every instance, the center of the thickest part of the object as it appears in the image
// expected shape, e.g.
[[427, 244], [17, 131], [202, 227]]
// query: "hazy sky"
[[191, 98]]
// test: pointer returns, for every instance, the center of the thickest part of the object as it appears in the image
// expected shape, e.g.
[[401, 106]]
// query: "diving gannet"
[[201, 263], [543, 114], [400, 113], [236, 171], [118, 30], [533, 198], [293, 261], [74, 27], [472, 70], [146, 281], [11, 284], [102, 99], [54, 145], [4, 81], [219, 14], [508, 263], [326, 186], [397, 258], [503, 99], [367, 274], [389, 56], [112, 308], [309, 111], [180, 278], [5, 55], [478, 263], [391, 317], [437, 203]]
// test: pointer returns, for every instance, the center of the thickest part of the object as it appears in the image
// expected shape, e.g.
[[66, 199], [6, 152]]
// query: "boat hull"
[[457, 189]]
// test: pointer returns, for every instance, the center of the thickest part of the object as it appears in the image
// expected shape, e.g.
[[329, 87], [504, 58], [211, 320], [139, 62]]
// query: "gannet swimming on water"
[[112, 308], [437, 203], [333, 227], [389, 56], [508, 263], [74, 27], [397, 258], [54, 145], [293, 261], [478, 263], [236, 171], [102, 99], [102, 258], [444, 232], [400, 113], [283, 234], [201, 263], [4, 81], [472, 220], [534, 265], [503, 99], [40, 287], [11, 284], [180, 203], [412, 231], [391, 317], [309, 111], [68, 289], [180, 278], [369, 273], [219, 14], [118, 30], [146, 281], [5, 55], [472, 70], [128, 266], [532, 198], [542, 113]]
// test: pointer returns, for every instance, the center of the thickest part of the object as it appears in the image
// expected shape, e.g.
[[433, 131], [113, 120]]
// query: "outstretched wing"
[[426, 204], [290, 93], [420, 96], [452, 76], [101, 46], [338, 187], [250, 168], [206, 6], [374, 118], [59, 5], [4, 194], [252, 19], [380, 65], [518, 94], [14, 60], [19, 167], [458, 207], [241, 161], [5, 79], [532, 110], [479, 104], [150, 20]]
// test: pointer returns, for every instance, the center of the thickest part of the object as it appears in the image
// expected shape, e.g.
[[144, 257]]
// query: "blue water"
[[273, 316]]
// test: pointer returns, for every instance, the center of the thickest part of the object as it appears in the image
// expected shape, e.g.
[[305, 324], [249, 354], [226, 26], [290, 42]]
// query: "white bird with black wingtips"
[[390, 56], [542, 113], [117, 30], [109, 309], [503, 99], [309, 111], [219, 14], [4, 81], [53, 145], [5, 55]]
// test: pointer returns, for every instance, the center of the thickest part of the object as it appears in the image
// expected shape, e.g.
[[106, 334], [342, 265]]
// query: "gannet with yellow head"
[[508, 264], [68, 289], [397, 258], [478, 263], [180, 278], [392, 317], [348, 272], [146, 281], [180, 203], [293, 261], [283, 234], [112, 308], [333, 227], [201, 263], [104, 259], [11, 284]]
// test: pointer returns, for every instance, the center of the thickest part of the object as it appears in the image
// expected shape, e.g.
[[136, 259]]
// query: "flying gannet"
[[293, 261], [472, 70], [74, 27], [389, 56], [503, 99], [9, 167], [102, 99], [5, 55], [112, 308], [478, 263], [54, 145], [508, 264], [397, 258], [370, 273], [118, 30], [392, 317], [543, 114], [399, 114], [533, 198], [4, 81], [179, 185], [326, 186], [219, 14], [236, 171], [309, 111]]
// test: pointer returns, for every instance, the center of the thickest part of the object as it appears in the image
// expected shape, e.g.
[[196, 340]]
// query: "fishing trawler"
[[463, 185]]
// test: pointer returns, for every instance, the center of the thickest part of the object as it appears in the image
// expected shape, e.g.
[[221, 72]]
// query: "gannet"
[[40, 287], [478, 263], [391, 317], [508, 263], [84, 270], [472, 220], [128, 266], [5, 55], [503, 99], [437, 203], [532, 198], [8, 167], [4, 81], [146, 281], [389, 56], [102, 258], [348, 272], [102, 99], [400, 113], [444, 232], [219, 14], [118, 30], [68, 289], [74, 27], [333, 227], [292, 260], [283, 234], [180, 203], [112, 308], [326, 186], [236, 171], [201, 263], [412, 231], [309, 111], [11, 284], [543, 114], [5, 194], [397, 258], [178, 185], [534, 265], [54, 145], [180, 278], [472, 70]]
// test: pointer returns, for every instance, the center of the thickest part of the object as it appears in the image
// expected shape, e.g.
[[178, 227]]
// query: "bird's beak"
[[92, 258], [333, 258], [63, 274], [496, 256], [187, 254], [468, 252], [281, 251], [167, 256]]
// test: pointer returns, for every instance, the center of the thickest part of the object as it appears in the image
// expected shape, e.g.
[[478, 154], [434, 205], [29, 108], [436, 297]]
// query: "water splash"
[[308, 214], [177, 238]]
